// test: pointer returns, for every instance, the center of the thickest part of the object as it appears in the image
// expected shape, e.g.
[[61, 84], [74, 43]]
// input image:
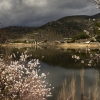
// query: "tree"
[[80, 36], [21, 80]]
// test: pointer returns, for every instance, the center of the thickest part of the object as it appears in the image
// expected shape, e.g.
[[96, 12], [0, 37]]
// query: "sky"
[[39, 12]]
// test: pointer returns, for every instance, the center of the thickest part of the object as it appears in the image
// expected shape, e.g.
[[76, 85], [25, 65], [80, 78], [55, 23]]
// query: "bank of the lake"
[[61, 45], [79, 45]]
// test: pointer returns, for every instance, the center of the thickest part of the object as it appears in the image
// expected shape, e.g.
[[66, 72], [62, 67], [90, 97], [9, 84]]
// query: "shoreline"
[[79, 45], [62, 45]]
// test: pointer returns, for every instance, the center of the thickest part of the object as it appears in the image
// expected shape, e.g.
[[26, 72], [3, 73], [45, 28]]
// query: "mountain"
[[56, 30]]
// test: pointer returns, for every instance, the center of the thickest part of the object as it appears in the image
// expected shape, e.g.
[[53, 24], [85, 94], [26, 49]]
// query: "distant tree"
[[98, 38], [96, 28], [80, 36], [4, 35]]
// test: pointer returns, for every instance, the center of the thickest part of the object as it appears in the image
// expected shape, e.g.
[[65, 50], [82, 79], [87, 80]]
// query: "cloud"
[[37, 3], [39, 12], [5, 5]]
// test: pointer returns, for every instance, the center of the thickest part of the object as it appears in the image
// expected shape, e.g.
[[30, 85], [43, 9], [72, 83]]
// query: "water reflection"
[[55, 57], [58, 74], [60, 64]]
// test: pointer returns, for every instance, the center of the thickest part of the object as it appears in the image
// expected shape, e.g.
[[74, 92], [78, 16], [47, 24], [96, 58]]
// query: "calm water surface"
[[60, 65]]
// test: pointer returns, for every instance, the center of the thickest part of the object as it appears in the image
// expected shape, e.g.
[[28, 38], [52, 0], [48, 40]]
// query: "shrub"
[[98, 38], [80, 36]]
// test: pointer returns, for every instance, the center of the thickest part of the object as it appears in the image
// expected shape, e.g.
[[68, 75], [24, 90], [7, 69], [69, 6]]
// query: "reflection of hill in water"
[[51, 56]]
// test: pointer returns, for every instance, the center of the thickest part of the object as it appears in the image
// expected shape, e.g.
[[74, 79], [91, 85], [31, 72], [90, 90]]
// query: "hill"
[[56, 30]]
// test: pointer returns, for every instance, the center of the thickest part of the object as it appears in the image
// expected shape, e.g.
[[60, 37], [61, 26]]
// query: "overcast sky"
[[39, 12]]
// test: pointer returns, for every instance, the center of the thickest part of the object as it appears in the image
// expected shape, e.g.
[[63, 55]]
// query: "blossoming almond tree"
[[20, 80]]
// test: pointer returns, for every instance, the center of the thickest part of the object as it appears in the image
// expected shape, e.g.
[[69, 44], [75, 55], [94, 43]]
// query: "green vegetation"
[[98, 38], [97, 28], [97, 24], [80, 36]]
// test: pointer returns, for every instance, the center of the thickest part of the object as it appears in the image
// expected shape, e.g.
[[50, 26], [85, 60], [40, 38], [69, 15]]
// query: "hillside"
[[55, 30]]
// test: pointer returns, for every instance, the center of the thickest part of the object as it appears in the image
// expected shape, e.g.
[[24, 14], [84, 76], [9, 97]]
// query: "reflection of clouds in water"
[[91, 73], [58, 74]]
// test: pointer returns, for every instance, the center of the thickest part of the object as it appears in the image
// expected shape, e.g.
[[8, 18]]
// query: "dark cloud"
[[39, 12]]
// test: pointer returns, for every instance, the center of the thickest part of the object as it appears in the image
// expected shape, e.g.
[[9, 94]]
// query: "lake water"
[[60, 65]]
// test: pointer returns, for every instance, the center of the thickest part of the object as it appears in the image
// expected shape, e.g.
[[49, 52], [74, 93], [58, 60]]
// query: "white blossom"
[[21, 79]]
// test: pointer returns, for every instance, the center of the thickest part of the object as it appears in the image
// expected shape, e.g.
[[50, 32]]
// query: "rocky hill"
[[56, 30]]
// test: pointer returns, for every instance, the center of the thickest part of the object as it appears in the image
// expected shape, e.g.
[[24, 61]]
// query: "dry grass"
[[67, 93], [70, 93], [63, 92], [63, 45], [82, 84], [73, 87], [95, 94], [78, 45]]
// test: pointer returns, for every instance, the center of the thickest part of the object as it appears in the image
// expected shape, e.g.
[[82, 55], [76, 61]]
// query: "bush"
[[97, 24], [80, 36], [98, 38], [71, 41]]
